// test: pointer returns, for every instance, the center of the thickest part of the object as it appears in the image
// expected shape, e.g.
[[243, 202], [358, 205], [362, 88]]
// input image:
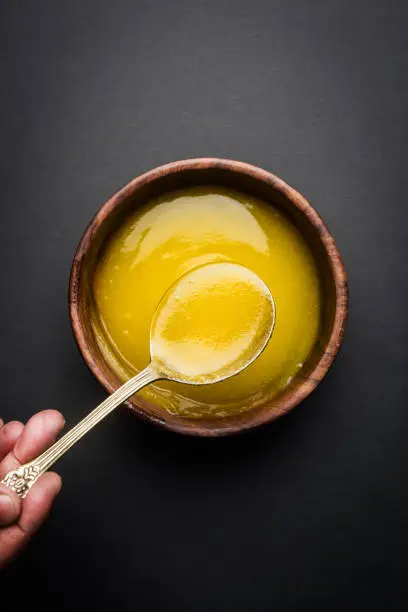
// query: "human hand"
[[20, 519]]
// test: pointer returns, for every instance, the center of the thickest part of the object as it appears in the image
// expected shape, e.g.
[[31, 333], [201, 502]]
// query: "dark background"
[[309, 513]]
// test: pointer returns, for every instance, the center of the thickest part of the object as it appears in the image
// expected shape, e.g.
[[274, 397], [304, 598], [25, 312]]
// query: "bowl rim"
[[289, 399]]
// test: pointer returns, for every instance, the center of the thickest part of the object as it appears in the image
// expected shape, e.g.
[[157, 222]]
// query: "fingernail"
[[6, 506], [1, 422]]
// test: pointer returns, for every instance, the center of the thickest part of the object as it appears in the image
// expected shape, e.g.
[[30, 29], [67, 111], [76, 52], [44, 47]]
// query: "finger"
[[1, 422], [38, 502], [8, 436], [39, 433], [10, 506], [36, 507]]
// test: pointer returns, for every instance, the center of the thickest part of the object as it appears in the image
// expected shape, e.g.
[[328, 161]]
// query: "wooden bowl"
[[253, 181]]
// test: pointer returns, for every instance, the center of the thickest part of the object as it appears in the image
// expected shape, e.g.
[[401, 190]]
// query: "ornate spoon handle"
[[23, 478]]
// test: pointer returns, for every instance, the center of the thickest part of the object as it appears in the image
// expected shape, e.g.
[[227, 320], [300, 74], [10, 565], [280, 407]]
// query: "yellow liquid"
[[212, 323], [175, 234]]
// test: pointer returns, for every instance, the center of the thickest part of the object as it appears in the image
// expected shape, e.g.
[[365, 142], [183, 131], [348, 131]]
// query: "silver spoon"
[[23, 478]]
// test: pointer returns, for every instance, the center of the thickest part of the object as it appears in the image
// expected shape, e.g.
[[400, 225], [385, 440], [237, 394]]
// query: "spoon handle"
[[23, 478]]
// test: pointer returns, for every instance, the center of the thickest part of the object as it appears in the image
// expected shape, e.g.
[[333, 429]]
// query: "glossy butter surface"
[[171, 236], [211, 323]]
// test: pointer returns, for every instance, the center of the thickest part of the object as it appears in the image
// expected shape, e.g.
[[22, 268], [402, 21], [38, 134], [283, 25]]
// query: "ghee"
[[172, 235], [211, 324]]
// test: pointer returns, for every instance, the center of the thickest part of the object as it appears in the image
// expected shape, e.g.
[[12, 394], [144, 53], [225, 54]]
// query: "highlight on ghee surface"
[[211, 324], [170, 236]]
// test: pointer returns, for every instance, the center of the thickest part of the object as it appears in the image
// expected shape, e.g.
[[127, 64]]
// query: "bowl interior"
[[254, 182]]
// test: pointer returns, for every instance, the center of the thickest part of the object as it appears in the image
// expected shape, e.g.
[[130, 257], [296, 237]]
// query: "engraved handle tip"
[[22, 479]]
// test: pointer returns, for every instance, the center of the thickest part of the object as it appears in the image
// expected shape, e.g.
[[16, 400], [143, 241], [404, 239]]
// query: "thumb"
[[10, 506]]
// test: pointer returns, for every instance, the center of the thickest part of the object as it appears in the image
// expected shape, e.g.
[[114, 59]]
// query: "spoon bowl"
[[192, 342]]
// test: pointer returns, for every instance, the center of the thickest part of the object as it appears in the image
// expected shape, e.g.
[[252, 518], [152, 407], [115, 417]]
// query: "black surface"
[[309, 513]]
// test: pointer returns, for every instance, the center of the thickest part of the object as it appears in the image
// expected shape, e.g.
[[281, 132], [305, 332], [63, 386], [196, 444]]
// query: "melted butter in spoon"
[[211, 324]]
